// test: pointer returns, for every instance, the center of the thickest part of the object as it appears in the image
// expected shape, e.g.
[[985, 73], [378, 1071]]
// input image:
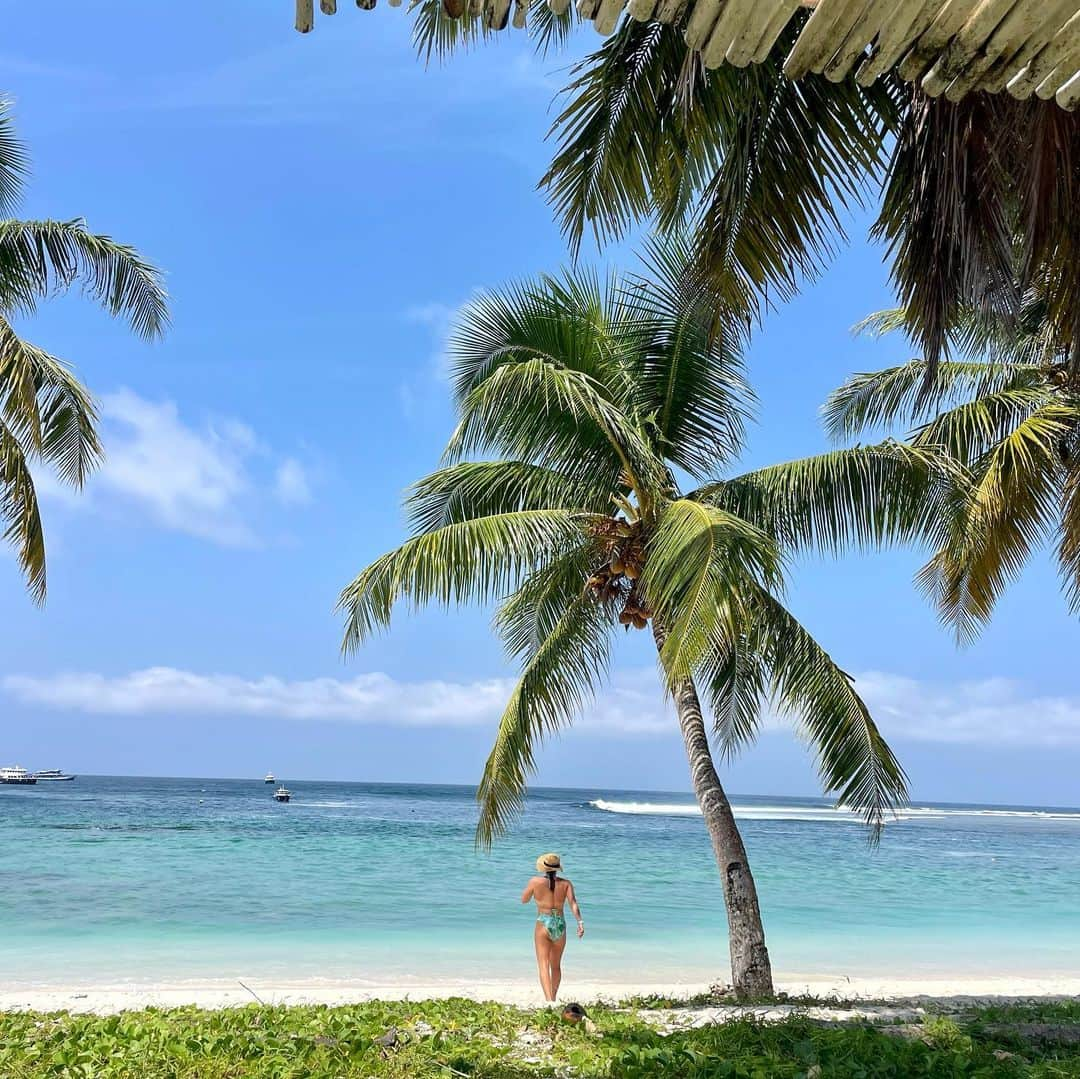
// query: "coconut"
[[640, 621]]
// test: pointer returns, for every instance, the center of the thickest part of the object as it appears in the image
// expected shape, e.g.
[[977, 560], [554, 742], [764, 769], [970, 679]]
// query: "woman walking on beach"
[[551, 892]]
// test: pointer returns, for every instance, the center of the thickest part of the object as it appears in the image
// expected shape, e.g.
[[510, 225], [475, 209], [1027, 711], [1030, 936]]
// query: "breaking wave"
[[820, 813]]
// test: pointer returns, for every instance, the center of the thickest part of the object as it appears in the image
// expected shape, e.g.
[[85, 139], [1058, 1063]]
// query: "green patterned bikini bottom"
[[554, 923]]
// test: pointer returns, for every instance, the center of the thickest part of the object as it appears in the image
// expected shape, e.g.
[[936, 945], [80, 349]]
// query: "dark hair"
[[551, 878]]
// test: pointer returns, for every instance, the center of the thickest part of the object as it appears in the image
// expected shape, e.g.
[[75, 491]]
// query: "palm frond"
[[686, 365], [558, 680], [437, 33], [946, 214], [698, 561], [14, 164], [971, 429], [853, 758], [536, 410], [902, 395], [476, 560], [473, 489], [38, 258], [794, 157], [530, 614], [47, 409], [19, 513], [1069, 538], [736, 677], [868, 496], [1007, 509]]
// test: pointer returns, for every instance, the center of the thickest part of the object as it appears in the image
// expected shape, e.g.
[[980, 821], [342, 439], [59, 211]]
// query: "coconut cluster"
[[614, 581]]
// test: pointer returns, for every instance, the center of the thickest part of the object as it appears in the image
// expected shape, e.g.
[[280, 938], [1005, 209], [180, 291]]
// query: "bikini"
[[554, 922]]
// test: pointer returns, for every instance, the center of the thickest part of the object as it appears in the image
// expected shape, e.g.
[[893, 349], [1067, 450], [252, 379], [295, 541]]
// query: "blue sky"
[[322, 206]]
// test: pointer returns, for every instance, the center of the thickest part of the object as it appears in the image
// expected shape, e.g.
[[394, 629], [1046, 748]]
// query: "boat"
[[269, 778], [17, 776], [52, 775], [282, 794]]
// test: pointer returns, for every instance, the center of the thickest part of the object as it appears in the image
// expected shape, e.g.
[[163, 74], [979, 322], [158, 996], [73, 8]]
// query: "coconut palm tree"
[[1008, 413], [46, 415], [766, 169], [588, 404]]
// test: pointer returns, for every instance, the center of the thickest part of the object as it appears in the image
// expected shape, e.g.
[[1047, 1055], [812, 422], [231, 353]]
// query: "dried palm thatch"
[[948, 47]]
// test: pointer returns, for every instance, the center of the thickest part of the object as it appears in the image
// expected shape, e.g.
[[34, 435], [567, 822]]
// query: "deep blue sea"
[[127, 880]]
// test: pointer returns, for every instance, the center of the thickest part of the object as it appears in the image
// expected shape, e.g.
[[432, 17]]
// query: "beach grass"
[[452, 1038]]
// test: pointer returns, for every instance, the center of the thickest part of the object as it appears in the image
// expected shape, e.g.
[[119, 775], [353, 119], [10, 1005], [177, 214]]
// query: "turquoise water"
[[117, 880]]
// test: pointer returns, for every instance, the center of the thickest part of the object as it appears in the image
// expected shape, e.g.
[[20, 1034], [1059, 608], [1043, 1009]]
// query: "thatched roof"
[[949, 47]]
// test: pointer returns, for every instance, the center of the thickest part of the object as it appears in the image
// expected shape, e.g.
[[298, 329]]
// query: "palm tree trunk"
[[751, 971]]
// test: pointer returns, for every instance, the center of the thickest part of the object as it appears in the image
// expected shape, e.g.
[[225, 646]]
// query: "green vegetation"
[[1006, 412], [590, 400], [969, 195], [47, 416], [446, 1039]]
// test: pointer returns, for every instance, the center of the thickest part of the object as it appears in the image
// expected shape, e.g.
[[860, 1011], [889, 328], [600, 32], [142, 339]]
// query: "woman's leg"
[[557, 948], [543, 959]]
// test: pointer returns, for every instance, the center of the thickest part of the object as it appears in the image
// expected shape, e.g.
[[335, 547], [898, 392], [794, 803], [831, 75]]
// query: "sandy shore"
[[104, 999]]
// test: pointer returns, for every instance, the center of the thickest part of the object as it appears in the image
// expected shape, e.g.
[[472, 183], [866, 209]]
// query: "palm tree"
[[1008, 414], [765, 169], [46, 415], [591, 400]]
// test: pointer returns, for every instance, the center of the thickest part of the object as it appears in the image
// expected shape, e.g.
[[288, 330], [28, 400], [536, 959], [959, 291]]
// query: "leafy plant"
[[46, 415]]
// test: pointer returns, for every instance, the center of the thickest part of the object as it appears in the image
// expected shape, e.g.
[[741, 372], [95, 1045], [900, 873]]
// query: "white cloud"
[[291, 483], [206, 481], [988, 712], [633, 704], [188, 480], [991, 711]]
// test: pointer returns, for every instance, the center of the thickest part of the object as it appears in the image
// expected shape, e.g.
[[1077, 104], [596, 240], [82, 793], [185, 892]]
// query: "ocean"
[[138, 881]]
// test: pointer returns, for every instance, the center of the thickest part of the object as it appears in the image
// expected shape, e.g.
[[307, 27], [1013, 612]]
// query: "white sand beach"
[[900, 992]]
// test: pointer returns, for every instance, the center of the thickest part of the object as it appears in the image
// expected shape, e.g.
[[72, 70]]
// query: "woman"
[[550, 892]]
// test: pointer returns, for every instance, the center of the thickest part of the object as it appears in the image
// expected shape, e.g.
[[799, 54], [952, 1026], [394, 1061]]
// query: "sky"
[[323, 205]]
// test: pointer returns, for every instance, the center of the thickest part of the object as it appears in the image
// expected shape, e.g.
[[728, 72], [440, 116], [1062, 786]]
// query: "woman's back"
[[546, 897]]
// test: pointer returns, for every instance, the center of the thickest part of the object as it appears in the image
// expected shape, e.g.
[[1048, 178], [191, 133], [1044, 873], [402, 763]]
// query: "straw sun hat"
[[548, 863]]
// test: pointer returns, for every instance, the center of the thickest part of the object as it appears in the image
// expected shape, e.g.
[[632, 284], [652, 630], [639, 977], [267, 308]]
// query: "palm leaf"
[[473, 489], [869, 496], [853, 758], [38, 258], [698, 561], [47, 409], [19, 513], [901, 395], [558, 679], [534, 409], [737, 679], [476, 560], [686, 365], [1008, 509], [530, 614], [13, 161]]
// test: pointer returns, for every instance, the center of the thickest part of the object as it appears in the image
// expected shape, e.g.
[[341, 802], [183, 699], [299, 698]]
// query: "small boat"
[[52, 775], [269, 778], [17, 776], [282, 794]]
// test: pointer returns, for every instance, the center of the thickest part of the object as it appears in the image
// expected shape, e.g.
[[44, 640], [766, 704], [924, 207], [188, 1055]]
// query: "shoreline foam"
[[225, 993]]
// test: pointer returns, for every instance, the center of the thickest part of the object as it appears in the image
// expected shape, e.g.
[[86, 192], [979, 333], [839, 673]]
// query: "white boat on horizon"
[[269, 778], [16, 775], [52, 775]]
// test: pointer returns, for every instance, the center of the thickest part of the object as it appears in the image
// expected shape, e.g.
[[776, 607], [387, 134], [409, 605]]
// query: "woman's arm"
[[572, 900], [528, 893]]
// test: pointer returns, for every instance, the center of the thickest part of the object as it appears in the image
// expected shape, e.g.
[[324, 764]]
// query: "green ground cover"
[[452, 1038]]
